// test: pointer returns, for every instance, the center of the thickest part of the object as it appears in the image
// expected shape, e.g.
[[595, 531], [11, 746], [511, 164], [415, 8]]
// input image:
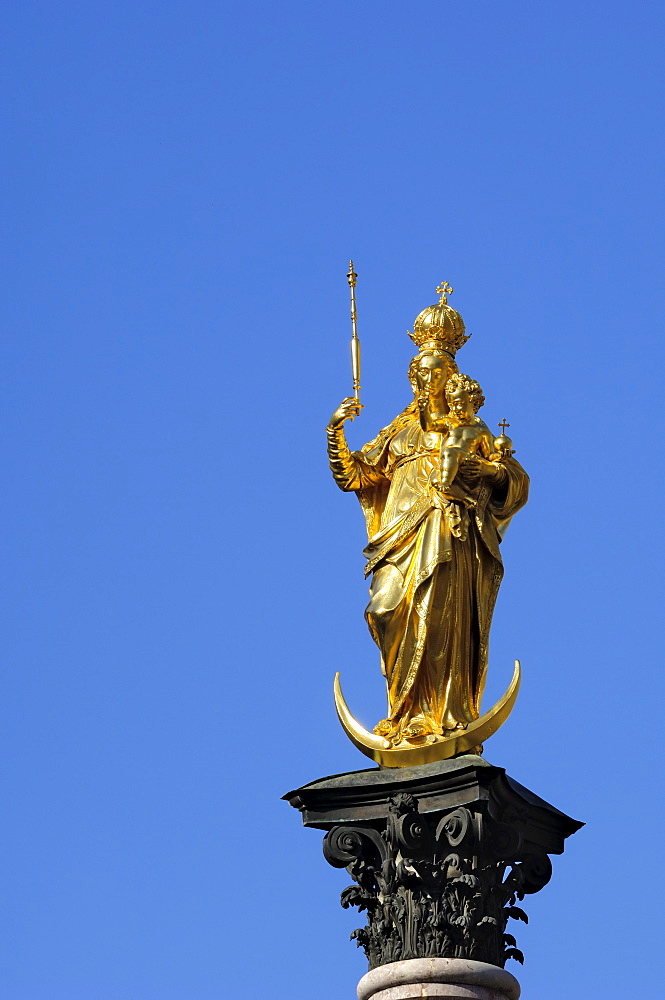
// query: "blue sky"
[[183, 187]]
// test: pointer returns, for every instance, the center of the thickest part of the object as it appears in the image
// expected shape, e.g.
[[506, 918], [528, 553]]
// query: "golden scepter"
[[355, 343]]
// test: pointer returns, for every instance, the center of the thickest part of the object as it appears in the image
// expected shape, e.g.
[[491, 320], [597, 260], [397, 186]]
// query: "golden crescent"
[[476, 732]]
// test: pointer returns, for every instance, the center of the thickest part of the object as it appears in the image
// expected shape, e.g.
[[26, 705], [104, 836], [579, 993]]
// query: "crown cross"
[[503, 424], [444, 290]]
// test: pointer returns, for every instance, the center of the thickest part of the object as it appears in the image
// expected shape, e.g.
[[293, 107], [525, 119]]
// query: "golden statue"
[[438, 491]]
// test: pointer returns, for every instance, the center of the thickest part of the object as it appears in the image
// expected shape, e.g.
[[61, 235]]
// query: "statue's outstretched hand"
[[348, 409]]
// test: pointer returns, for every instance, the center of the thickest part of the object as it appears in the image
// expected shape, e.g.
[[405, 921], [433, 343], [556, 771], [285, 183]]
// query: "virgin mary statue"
[[433, 554]]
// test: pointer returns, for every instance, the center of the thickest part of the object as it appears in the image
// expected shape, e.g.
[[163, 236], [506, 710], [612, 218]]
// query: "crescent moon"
[[475, 733]]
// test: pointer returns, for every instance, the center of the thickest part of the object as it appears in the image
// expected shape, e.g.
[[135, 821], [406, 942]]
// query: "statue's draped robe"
[[436, 570]]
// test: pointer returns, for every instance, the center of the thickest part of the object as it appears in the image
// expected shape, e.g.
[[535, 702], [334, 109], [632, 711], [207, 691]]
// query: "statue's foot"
[[384, 728], [414, 729], [418, 731]]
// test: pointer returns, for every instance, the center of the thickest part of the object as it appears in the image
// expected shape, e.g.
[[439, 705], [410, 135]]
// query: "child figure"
[[467, 434]]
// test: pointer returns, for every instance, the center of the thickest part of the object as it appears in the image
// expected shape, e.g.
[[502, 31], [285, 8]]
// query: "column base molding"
[[416, 978]]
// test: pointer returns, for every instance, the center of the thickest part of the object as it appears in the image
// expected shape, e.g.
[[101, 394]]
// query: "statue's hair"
[[469, 385]]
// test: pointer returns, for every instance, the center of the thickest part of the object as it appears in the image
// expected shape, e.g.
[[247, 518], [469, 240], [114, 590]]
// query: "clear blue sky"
[[183, 186]]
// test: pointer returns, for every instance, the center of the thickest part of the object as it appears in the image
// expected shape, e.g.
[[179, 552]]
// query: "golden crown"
[[440, 327]]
